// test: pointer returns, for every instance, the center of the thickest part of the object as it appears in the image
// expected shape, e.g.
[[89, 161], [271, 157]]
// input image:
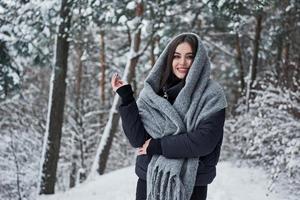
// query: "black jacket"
[[204, 142]]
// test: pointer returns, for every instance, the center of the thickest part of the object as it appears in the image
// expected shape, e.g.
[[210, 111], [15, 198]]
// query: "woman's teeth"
[[182, 70]]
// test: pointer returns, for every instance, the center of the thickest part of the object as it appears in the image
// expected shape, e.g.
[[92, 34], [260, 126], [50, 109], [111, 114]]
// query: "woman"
[[176, 123]]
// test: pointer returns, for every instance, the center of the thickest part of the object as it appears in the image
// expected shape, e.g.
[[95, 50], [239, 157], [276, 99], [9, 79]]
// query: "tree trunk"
[[74, 169], [4, 63], [136, 46], [286, 71], [152, 56], [76, 141], [279, 57], [56, 104], [17, 165], [104, 147], [240, 62], [256, 47], [102, 68], [139, 10], [155, 41], [285, 67], [253, 66]]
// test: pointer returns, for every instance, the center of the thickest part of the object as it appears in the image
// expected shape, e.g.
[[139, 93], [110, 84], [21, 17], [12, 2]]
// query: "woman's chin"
[[180, 75]]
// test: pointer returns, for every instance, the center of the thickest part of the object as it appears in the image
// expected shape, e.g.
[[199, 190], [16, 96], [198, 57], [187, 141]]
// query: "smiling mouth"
[[183, 70]]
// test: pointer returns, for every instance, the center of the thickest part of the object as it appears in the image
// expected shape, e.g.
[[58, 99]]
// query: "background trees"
[[51, 148]]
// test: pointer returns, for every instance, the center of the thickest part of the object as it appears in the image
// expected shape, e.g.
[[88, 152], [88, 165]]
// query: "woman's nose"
[[182, 61]]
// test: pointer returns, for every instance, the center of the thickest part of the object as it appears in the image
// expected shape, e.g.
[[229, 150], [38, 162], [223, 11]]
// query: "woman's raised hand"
[[116, 82]]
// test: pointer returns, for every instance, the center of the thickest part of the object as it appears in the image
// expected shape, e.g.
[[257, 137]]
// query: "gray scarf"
[[174, 179]]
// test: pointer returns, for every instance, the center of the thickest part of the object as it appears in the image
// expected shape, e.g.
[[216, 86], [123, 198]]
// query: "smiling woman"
[[183, 59], [176, 123], [181, 53]]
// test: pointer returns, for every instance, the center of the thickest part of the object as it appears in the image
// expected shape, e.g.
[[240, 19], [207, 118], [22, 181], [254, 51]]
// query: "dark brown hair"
[[191, 40]]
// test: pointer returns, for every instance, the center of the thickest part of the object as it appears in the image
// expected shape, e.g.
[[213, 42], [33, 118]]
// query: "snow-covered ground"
[[231, 183]]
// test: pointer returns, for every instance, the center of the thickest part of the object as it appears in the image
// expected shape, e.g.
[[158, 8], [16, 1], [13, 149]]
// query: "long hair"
[[191, 40]]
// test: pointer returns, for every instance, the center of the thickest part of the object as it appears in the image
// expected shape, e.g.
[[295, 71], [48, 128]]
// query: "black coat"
[[204, 142]]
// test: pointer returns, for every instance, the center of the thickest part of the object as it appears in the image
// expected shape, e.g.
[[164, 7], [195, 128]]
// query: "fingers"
[[141, 151], [115, 79], [148, 141]]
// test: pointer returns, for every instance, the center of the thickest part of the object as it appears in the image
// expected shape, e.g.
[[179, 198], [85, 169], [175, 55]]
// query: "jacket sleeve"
[[197, 143], [131, 121]]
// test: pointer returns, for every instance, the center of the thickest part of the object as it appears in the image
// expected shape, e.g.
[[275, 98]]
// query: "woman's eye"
[[188, 57]]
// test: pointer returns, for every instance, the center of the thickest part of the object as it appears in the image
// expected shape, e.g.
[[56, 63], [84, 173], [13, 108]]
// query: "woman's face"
[[182, 60]]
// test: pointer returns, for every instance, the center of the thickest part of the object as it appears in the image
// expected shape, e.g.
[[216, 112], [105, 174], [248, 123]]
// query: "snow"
[[123, 19], [88, 11], [231, 183], [15, 76], [105, 136], [221, 3], [2, 10], [113, 110], [131, 5], [111, 186]]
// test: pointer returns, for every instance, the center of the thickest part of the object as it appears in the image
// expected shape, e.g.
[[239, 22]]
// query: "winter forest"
[[59, 124]]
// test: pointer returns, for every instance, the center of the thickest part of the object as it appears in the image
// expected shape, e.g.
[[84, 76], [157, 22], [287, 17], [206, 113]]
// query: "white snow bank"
[[231, 183]]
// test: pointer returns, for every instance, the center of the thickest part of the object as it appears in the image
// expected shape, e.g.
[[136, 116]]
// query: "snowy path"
[[231, 183]]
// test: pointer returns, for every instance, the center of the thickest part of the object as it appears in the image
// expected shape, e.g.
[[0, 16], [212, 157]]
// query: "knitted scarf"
[[174, 179]]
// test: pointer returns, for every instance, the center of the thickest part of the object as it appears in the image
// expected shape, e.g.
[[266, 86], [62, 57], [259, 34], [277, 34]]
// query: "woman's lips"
[[182, 70]]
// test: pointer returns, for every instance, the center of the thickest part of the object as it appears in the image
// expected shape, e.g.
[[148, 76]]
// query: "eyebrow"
[[180, 54]]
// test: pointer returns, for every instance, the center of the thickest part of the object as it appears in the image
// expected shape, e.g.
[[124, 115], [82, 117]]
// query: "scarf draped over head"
[[174, 179]]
